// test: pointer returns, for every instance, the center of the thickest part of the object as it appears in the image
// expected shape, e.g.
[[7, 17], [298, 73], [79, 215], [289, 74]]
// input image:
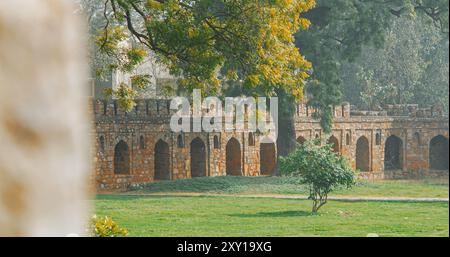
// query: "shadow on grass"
[[119, 197], [278, 214], [219, 184]]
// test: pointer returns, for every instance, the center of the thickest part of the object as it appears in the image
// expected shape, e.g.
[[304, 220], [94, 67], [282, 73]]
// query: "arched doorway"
[[334, 142], [301, 140], [267, 158], [162, 161], [121, 158], [439, 153], [198, 158], [393, 153], [362, 154], [233, 158]]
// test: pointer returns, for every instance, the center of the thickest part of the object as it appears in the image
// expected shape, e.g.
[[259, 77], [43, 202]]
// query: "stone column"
[[44, 123], [346, 109]]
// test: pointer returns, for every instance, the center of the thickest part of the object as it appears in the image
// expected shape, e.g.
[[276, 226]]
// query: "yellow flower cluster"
[[106, 227], [152, 4], [280, 61]]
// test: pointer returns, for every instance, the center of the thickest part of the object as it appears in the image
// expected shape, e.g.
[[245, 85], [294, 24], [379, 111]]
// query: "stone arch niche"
[[142, 142], [347, 139], [362, 154], [334, 142], [318, 139], [438, 155], [301, 140], [102, 143], [180, 141], [233, 162], [251, 139], [162, 161], [378, 138], [417, 139], [393, 153], [105, 108], [121, 158], [267, 158], [198, 158], [216, 142]]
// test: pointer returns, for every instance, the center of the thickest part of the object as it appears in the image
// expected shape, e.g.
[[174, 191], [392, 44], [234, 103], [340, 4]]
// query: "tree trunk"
[[286, 136], [44, 124], [286, 142]]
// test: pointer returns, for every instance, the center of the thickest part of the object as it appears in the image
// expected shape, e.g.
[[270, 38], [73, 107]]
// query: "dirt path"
[[301, 197]]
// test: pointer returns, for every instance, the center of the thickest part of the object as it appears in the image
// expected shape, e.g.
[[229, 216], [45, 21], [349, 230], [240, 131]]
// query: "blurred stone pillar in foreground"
[[44, 142]]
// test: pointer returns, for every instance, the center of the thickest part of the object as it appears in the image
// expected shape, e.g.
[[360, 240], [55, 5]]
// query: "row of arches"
[[333, 141], [393, 152], [216, 141], [162, 159], [198, 160], [393, 156]]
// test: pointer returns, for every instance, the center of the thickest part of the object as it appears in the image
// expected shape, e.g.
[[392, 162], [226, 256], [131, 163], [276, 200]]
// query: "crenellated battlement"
[[413, 110], [345, 110], [156, 108], [304, 110], [160, 109], [153, 108]]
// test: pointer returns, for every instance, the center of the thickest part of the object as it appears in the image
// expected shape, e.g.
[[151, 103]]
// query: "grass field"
[[249, 216], [234, 216], [286, 185]]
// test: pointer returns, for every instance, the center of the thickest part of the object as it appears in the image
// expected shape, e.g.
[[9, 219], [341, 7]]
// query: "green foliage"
[[135, 56], [106, 227], [339, 31], [206, 43], [226, 185], [249, 45], [125, 95], [319, 168], [412, 67], [140, 81]]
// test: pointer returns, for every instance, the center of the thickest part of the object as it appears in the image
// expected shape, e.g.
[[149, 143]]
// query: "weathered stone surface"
[[415, 134], [44, 131], [151, 122]]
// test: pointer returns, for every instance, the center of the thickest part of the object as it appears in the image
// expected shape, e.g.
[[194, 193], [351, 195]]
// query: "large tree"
[[412, 67], [250, 45], [339, 31], [208, 42]]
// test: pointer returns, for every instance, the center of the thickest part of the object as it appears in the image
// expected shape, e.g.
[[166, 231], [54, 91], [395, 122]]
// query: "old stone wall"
[[156, 153], [392, 143]]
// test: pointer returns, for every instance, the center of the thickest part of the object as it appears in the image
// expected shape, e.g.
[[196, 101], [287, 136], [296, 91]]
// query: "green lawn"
[[234, 216], [286, 185]]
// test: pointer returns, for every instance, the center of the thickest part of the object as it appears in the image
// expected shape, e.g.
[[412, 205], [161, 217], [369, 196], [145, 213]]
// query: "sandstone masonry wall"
[[148, 124], [150, 121]]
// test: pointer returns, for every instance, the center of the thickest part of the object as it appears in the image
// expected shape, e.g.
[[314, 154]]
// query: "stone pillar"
[[44, 122], [345, 109]]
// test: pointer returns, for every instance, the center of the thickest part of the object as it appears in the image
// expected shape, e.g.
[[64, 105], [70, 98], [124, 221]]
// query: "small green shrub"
[[320, 169], [106, 227]]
